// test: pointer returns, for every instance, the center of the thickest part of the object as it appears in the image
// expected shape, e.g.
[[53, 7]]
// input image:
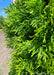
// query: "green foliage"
[[30, 29], [1, 21]]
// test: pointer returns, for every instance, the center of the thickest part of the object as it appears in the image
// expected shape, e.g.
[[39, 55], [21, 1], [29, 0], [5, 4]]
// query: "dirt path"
[[4, 55]]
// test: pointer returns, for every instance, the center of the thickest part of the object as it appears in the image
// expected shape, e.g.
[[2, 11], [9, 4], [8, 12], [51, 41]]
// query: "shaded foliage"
[[1, 21]]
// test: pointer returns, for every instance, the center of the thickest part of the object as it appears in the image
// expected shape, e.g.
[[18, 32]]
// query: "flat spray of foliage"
[[30, 29]]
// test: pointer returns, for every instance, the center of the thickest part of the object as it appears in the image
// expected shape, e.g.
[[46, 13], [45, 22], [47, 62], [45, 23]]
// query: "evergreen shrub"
[[29, 32]]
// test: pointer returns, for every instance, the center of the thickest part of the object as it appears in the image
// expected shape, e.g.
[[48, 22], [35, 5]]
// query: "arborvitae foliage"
[[30, 29]]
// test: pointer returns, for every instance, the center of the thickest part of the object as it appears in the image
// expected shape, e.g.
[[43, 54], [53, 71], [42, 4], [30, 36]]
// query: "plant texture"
[[30, 29], [1, 21]]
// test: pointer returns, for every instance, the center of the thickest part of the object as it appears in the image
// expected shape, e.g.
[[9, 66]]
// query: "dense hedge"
[[30, 29]]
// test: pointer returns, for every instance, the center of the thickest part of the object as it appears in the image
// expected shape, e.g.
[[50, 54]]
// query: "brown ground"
[[4, 55]]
